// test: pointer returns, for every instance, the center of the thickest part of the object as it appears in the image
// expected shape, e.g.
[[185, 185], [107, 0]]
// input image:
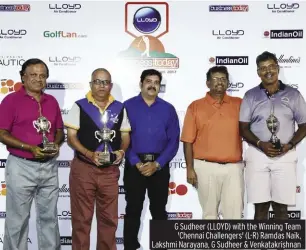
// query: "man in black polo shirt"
[[90, 181]]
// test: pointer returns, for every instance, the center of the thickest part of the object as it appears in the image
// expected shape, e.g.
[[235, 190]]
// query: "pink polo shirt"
[[17, 113]]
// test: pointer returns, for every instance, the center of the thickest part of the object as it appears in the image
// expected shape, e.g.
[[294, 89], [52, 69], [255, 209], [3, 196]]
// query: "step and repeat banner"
[[181, 39]]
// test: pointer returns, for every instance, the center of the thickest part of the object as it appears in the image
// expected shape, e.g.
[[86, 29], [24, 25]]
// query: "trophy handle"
[[35, 125], [97, 136], [49, 123], [113, 132]]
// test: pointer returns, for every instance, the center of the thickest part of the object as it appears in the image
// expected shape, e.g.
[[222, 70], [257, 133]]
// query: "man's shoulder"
[[12, 97], [252, 92], [235, 99], [165, 103], [130, 100], [50, 98], [198, 102]]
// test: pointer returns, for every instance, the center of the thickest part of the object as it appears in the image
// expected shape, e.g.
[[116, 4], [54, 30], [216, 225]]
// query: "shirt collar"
[[139, 97], [211, 100], [282, 86], [23, 91], [92, 100]]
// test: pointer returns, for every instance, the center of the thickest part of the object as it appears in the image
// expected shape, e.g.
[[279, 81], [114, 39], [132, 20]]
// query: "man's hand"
[[286, 148], [94, 157], [148, 169], [119, 156], [192, 177], [37, 152], [139, 165], [269, 149]]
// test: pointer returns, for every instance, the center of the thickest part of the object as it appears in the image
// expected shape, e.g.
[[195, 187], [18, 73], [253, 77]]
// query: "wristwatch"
[[158, 167]]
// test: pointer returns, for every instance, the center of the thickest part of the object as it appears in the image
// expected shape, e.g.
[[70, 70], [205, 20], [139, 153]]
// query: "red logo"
[[298, 189], [177, 189], [8, 86]]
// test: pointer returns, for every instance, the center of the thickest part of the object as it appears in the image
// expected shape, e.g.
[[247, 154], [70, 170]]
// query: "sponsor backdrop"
[[75, 38]]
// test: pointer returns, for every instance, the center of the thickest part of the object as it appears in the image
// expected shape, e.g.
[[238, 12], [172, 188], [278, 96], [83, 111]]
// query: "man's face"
[[217, 83], [101, 84], [35, 78], [150, 85], [268, 71]]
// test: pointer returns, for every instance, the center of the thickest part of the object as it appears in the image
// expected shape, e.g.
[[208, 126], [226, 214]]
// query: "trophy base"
[[277, 144], [107, 159], [48, 148]]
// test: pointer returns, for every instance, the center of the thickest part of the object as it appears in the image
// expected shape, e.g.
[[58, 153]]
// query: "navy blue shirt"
[[154, 129]]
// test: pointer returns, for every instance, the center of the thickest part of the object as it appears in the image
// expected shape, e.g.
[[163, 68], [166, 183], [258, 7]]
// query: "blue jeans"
[[26, 180]]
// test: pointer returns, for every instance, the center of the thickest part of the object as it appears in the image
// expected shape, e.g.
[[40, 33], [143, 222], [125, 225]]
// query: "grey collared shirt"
[[289, 108]]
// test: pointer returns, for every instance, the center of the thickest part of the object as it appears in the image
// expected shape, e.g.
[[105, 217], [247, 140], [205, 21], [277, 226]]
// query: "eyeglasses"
[[217, 79], [99, 82], [272, 67]]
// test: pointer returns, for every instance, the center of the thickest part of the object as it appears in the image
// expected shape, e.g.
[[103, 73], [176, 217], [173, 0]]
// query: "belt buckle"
[[148, 157]]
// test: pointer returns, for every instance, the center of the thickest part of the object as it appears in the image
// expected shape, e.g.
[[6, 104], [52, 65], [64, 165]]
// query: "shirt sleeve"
[[125, 125], [245, 114], [7, 111], [72, 120], [299, 110], [173, 133], [189, 130], [59, 119]]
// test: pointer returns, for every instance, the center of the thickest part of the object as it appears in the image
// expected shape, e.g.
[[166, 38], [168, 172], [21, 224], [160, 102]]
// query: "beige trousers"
[[220, 186]]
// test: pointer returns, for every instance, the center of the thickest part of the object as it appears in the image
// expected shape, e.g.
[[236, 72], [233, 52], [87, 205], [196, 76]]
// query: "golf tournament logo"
[[146, 24]]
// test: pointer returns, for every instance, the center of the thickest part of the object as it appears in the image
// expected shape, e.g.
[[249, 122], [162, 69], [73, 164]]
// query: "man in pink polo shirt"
[[30, 172]]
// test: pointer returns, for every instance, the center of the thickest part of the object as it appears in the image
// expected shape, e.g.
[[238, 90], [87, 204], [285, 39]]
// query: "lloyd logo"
[[65, 8], [228, 34], [12, 33], [283, 7], [235, 86], [64, 60]]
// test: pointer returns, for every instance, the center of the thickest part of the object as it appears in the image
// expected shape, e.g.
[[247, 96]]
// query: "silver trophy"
[[105, 135], [43, 125], [273, 125]]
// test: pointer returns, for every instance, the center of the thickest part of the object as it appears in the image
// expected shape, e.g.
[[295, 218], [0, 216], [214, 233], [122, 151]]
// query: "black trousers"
[[135, 185]]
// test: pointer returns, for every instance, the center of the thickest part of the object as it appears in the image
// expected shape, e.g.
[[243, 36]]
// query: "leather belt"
[[148, 157], [223, 163], [33, 159]]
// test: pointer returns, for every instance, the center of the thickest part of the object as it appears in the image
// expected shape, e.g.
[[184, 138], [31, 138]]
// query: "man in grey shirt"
[[271, 171]]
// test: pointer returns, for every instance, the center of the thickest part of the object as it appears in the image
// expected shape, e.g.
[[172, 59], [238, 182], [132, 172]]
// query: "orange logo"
[[8, 86], [3, 188], [177, 189]]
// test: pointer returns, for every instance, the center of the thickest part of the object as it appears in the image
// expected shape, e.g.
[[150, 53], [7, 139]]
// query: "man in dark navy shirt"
[[155, 135]]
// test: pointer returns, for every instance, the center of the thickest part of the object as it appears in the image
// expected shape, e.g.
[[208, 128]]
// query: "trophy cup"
[[273, 125], [42, 125], [105, 135]]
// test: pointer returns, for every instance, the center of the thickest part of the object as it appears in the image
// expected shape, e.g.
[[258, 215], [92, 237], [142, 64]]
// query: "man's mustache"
[[150, 88]]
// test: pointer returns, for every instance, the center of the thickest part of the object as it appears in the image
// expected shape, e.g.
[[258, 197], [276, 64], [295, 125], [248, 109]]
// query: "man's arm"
[[74, 142], [300, 118], [188, 153], [173, 133], [299, 135], [59, 137], [125, 141], [9, 140], [247, 134]]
